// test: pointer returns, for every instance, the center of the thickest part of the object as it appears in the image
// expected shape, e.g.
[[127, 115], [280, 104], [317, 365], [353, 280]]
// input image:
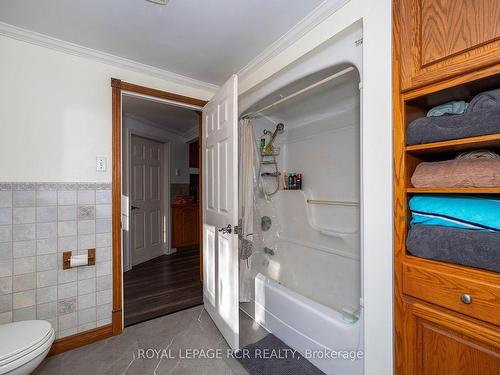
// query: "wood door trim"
[[117, 87], [200, 190], [116, 186], [131, 87]]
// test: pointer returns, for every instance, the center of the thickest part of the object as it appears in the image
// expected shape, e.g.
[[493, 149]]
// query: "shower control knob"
[[227, 229]]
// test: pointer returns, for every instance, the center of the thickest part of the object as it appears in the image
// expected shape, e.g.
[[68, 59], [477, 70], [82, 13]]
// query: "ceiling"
[[178, 120], [205, 40]]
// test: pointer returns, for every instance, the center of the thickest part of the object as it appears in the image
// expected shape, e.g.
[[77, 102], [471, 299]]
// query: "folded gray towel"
[[453, 245], [484, 100], [443, 128]]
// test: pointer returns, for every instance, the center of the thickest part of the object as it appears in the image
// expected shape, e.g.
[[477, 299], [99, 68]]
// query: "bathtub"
[[327, 275], [307, 326]]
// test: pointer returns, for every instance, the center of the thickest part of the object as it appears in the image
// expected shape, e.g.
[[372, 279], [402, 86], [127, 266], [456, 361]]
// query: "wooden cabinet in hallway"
[[185, 225]]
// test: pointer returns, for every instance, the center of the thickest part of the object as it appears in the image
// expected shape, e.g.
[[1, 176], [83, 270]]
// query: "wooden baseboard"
[[117, 324], [81, 339]]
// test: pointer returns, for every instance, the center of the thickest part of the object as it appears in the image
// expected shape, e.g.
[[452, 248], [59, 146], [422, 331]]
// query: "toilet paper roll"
[[78, 260]]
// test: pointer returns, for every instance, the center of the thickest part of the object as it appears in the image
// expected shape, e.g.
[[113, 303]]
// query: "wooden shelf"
[[441, 266], [453, 190], [462, 144]]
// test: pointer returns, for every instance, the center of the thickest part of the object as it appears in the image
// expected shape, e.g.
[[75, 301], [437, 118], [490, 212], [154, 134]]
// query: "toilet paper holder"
[[67, 257]]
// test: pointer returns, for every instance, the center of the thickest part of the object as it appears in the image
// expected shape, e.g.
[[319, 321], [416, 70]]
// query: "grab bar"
[[332, 203]]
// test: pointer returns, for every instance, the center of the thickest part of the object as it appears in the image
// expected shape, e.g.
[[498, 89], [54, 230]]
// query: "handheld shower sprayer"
[[268, 151], [279, 129]]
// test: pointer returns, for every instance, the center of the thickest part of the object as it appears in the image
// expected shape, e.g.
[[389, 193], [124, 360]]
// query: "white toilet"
[[24, 345]]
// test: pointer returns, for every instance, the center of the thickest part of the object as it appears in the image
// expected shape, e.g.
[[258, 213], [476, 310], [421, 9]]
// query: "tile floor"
[[183, 330]]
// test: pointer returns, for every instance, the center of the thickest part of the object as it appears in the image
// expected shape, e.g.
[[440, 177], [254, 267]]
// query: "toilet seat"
[[22, 341]]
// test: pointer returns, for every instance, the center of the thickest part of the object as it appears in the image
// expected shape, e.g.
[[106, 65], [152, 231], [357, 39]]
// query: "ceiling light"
[[161, 2]]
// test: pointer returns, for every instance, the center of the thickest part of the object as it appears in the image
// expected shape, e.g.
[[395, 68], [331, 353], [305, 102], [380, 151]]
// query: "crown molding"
[[309, 22], [191, 134], [59, 45], [186, 136]]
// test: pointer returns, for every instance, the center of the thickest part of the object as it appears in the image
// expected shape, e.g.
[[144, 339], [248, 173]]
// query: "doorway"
[[158, 136]]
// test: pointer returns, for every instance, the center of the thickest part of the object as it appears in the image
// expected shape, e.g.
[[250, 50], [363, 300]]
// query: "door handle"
[[227, 229], [134, 208]]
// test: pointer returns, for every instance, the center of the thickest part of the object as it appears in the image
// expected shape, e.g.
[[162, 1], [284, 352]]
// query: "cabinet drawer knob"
[[466, 298]]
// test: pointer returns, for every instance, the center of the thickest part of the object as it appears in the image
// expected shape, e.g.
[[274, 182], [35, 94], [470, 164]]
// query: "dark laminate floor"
[[162, 286]]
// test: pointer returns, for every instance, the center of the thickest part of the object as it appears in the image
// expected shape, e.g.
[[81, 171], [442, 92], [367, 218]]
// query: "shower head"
[[279, 128]]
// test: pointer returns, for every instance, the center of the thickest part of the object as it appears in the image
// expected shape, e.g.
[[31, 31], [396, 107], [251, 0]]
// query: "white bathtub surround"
[[307, 265], [47, 219]]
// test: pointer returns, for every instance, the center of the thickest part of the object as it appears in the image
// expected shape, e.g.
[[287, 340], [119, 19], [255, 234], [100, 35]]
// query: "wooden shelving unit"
[[456, 145], [435, 330], [453, 190], [429, 292]]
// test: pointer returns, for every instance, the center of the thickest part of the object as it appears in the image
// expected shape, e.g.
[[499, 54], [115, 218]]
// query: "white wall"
[[376, 160], [55, 112]]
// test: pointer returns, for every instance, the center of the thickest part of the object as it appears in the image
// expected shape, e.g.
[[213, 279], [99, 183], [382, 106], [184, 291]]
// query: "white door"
[[145, 199], [220, 209]]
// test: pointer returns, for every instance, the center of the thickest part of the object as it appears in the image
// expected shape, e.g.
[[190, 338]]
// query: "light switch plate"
[[100, 164]]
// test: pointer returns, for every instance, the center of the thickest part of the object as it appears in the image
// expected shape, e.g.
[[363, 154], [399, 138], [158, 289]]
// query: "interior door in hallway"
[[145, 199]]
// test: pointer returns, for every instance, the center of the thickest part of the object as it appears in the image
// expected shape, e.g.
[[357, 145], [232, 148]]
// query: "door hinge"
[[237, 229]]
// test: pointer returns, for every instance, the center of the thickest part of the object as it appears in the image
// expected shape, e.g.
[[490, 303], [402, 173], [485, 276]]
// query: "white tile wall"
[[24, 248], [66, 213], [24, 215], [6, 198], [5, 250], [5, 216], [38, 222], [5, 285], [5, 233], [46, 198]]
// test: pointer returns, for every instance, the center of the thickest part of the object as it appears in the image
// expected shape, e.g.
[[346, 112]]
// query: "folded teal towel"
[[451, 108], [456, 211]]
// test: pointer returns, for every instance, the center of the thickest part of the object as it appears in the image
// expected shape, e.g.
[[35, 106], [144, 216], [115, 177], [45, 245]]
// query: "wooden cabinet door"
[[176, 227], [439, 39], [185, 226], [190, 224], [441, 344]]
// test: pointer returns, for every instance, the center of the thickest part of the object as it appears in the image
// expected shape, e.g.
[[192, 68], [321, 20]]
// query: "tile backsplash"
[[38, 222]]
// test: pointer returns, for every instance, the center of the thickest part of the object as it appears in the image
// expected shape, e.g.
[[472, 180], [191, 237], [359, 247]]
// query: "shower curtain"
[[248, 160]]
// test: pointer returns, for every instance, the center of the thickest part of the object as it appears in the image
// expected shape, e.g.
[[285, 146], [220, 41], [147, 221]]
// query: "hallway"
[[161, 286]]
